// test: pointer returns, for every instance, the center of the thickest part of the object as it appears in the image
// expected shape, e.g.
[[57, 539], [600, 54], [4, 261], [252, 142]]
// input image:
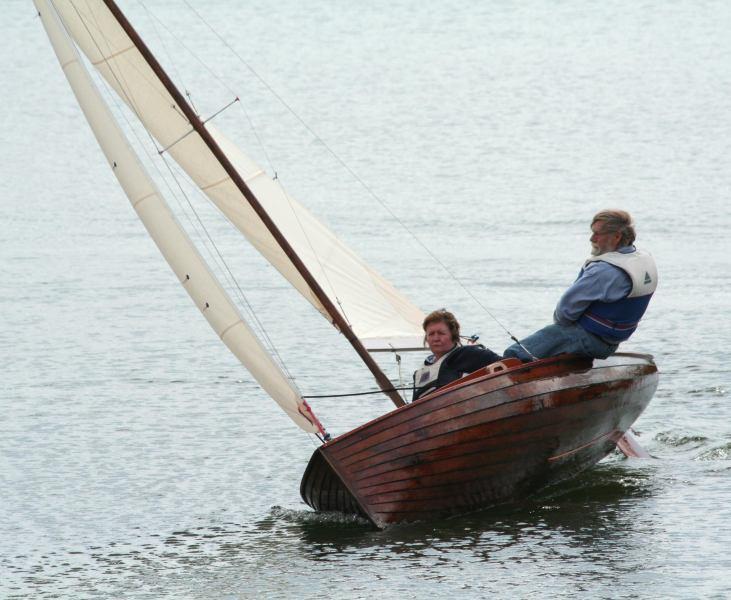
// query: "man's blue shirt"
[[598, 281]]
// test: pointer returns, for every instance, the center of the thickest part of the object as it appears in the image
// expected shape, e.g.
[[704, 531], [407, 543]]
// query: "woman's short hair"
[[617, 221], [444, 316]]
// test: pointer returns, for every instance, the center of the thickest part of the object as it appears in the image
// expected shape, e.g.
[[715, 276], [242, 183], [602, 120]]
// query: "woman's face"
[[439, 338]]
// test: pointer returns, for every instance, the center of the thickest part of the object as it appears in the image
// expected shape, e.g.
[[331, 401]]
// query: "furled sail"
[[380, 316], [171, 239]]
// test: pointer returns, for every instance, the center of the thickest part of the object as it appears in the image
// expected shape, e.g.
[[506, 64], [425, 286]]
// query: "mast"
[[337, 319]]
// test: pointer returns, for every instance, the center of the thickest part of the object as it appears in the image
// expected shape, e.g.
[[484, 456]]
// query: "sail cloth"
[[171, 239], [379, 315]]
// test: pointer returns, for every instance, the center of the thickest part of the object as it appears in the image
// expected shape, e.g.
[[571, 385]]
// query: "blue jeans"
[[561, 339]]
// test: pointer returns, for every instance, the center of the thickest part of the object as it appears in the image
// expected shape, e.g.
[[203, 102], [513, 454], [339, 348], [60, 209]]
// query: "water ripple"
[[717, 453]]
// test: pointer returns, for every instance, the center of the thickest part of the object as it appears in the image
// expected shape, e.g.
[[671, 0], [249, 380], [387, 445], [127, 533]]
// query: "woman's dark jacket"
[[459, 362]]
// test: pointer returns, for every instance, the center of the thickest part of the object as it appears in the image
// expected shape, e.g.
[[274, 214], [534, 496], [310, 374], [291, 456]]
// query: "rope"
[[394, 389]]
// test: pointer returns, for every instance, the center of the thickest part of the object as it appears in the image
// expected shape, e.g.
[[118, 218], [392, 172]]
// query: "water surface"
[[139, 460]]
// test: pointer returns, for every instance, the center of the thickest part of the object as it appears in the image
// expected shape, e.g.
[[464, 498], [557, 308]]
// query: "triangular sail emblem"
[[648, 279]]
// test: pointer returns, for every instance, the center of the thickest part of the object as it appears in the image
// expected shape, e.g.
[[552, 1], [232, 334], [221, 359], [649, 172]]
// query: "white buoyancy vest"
[[639, 265], [428, 374]]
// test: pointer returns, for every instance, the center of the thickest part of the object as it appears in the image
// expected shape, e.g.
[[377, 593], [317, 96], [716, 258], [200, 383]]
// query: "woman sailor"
[[449, 360]]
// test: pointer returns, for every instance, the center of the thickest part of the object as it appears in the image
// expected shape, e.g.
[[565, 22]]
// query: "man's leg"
[[549, 341]]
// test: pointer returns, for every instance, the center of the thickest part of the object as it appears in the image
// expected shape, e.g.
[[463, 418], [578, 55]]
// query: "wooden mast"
[[337, 319]]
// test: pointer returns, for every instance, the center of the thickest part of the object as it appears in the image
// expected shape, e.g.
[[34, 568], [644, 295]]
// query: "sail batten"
[[373, 307], [217, 183], [118, 53], [187, 264]]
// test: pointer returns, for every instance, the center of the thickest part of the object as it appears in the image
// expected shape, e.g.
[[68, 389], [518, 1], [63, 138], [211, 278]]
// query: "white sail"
[[171, 239], [380, 316]]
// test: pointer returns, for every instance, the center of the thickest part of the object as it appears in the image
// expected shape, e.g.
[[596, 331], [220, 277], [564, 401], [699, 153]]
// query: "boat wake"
[[607, 483], [308, 517]]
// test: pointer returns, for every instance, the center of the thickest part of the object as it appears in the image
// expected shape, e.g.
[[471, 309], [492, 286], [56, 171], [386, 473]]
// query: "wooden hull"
[[489, 438]]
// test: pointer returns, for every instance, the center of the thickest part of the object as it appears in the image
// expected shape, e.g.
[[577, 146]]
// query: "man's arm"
[[599, 281]]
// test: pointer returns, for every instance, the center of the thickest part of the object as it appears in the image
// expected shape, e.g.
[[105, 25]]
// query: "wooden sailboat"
[[490, 437]]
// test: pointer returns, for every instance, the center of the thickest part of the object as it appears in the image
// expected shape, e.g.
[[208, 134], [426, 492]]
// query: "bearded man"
[[603, 306]]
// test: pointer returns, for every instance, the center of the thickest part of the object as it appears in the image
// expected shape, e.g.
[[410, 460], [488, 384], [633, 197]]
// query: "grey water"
[[139, 460]]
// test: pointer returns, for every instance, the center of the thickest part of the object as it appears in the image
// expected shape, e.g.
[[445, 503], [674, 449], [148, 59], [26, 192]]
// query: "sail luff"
[[171, 239], [334, 314]]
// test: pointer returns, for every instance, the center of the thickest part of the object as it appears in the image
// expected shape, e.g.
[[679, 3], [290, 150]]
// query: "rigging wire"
[[344, 165], [178, 74], [219, 79], [227, 271], [352, 173], [254, 129]]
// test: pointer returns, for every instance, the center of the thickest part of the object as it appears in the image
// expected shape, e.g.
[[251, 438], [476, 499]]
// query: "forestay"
[[380, 316], [171, 239]]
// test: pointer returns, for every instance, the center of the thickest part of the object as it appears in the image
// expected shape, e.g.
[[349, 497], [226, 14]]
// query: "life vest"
[[616, 321], [425, 378]]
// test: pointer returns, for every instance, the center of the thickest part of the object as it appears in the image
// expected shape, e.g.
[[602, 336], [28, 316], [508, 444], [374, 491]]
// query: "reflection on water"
[[581, 520], [601, 527]]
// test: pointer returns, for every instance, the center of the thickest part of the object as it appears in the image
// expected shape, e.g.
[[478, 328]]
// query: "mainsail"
[[171, 239], [380, 316]]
